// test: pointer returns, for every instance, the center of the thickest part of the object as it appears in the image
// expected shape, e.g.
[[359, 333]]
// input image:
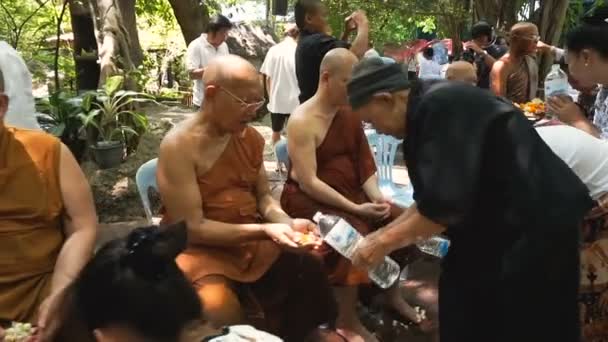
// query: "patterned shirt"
[[600, 120]]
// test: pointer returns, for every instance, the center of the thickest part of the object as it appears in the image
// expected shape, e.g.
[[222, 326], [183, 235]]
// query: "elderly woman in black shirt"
[[483, 176]]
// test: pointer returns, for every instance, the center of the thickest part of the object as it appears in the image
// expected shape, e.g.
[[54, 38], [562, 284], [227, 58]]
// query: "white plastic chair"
[[282, 155], [385, 149], [146, 179]]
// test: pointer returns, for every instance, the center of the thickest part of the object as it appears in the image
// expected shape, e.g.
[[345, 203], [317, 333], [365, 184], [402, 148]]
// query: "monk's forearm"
[[74, 255], [215, 233], [323, 193], [415, 227], [407, 213], [272, 212]]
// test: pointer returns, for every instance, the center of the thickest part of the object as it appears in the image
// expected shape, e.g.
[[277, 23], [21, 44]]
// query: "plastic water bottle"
[[342, 237], [436, 246], [556, 83]]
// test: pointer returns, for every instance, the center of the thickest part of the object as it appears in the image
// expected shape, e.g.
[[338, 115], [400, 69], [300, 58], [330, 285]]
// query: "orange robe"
[[344, 162], [228, 191], [30, 220]]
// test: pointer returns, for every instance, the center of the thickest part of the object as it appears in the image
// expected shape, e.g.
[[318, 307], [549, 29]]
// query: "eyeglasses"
[[249, 106]]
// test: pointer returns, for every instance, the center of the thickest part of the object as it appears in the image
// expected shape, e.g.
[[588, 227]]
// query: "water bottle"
[[436, 246], [342, 237], [556, 84]]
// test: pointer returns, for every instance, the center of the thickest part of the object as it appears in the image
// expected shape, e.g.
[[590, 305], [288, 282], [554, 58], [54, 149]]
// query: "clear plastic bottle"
[[342, 237], [556, 84], [436, 246]]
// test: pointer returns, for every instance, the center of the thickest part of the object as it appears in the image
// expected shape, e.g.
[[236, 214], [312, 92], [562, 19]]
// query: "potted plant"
[[109, 111], [60, 117]]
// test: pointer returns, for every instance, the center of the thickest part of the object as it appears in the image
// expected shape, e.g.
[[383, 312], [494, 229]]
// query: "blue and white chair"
[[282, 155], [385, 148], [146, 179]]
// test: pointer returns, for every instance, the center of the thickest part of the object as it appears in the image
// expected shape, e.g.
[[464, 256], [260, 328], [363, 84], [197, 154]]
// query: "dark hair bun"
[[151, 249]]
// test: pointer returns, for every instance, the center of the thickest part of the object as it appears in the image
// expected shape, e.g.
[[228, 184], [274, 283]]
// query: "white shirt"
[[18, 87], [371, 53], [200, 53], [586, 155], [280, 66], [245, 333], [429, 69]]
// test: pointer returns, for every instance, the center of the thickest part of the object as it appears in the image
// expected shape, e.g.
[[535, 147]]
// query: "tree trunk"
[[500, 14], [127, 10], [192, 17], [85, 46], [552, 16], [115, 44]]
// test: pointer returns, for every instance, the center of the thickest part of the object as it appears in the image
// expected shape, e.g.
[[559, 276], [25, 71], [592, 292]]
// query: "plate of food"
[[533, 110], [18, 332]]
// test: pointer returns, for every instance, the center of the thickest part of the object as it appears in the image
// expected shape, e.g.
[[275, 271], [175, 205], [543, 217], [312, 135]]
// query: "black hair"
[[303, 8], [217, 23], [588, 36], [428, 53], [133, 282], [480, 29]]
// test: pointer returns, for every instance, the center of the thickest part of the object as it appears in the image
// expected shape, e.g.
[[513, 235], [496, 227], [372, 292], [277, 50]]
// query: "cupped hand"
[[564, 108], [49, 316], [281, 233], [374, 211]]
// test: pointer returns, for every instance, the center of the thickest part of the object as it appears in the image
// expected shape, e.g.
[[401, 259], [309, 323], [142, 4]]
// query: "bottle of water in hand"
[[342, 237], [436, 246], [556, 84]]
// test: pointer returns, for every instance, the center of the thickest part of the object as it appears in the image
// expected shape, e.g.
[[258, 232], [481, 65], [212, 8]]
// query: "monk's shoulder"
[[37, 142], [252, 136]]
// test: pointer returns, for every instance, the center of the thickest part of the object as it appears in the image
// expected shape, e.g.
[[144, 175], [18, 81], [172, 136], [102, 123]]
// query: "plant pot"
[[108, 154]]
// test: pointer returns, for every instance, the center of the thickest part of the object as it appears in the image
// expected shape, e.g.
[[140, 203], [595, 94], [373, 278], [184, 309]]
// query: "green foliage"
[[110, 111], [576, 11], [62, 115]]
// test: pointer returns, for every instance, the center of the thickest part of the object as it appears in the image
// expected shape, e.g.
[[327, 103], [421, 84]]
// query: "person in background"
[[281, 82], [48, 223], [587, 57], [371, 52], [587, 156], [22, 107], [515, 75], [203, 50], [133, 291], [311, 18], [429, 69], [462, 71], [245, 255], [483, 176], [486, 51]]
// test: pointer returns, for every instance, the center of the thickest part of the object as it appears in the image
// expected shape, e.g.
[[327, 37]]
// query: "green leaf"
[[58, 130], [113, 84]]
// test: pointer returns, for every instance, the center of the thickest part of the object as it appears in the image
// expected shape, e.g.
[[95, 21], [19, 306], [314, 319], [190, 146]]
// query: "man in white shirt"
[[281, 81], [203, 50], [21, 109]]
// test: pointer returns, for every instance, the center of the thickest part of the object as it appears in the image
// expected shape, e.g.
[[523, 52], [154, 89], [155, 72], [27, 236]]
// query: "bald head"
[[462, 71], [522, 29], [338, 60], [230, 71]]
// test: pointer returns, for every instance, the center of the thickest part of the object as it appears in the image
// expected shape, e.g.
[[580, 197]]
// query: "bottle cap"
[[317, 217]]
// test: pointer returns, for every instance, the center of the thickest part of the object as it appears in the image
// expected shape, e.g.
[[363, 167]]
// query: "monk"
[[245, 256], [333, 171], [462, 71], [515, 75], [48, 223]]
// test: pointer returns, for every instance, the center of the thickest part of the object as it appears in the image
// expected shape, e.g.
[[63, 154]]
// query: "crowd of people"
[[524, 204]]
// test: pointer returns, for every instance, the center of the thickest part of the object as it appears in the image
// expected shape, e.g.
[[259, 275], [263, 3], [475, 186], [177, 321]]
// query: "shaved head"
[[230, 71], [523, 38], [335, 73], [337, 60], [462, 71], [522, 29]]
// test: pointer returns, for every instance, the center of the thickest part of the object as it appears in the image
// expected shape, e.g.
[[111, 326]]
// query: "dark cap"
[[373, 75]]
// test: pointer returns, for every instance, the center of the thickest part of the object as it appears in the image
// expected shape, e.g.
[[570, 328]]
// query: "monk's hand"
[[370, 252], [307, 234], [281, 233], [566, 110], [374, 211], [49, 314]]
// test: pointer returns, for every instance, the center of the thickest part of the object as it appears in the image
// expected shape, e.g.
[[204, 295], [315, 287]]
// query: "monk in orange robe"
[[48, 223], [244, 256], [333, 171]]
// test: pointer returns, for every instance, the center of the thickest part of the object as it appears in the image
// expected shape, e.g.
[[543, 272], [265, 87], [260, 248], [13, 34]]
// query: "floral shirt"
[[600, 120]]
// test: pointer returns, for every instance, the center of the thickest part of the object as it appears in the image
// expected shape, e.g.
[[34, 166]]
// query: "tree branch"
[[8, 13], [58, 43]]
